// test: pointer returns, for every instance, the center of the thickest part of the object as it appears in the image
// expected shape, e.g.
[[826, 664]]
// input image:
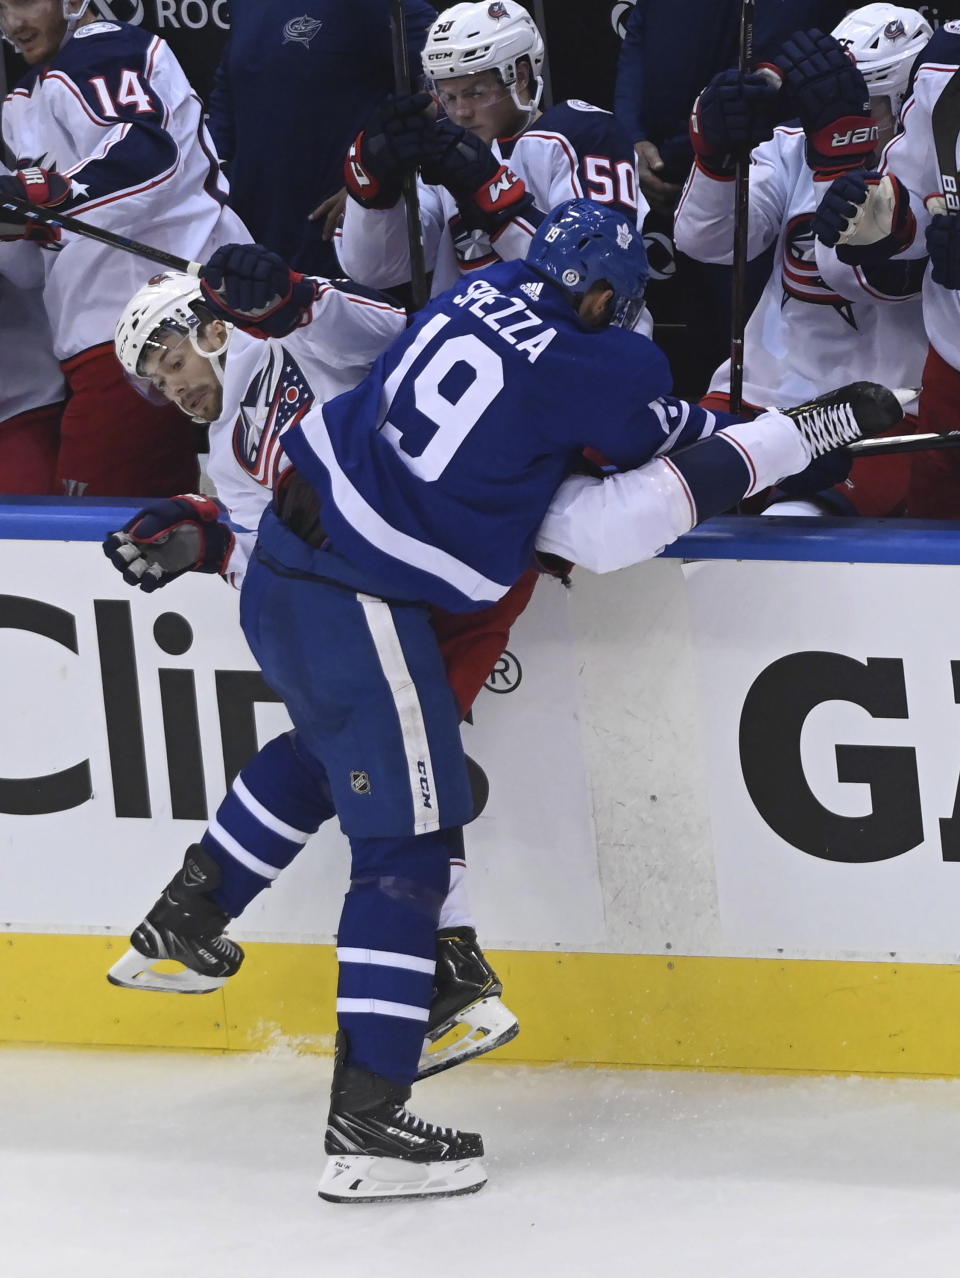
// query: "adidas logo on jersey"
[[532, 290]]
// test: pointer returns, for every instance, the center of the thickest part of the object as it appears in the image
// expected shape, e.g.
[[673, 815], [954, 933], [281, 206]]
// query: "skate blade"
[[363, 1178], [488, 1024], [134, 972]]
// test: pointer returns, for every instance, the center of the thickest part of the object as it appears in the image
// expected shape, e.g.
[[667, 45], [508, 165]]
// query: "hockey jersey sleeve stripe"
[[568, 151], [359, 294], [125, 194], [312, 452], [69, 84]]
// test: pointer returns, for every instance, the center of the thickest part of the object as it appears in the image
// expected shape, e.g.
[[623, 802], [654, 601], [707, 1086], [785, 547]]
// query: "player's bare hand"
[[661, 196], [331, 210]]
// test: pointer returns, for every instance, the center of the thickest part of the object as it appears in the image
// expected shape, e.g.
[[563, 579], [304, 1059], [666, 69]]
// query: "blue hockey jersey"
[[436, 471]]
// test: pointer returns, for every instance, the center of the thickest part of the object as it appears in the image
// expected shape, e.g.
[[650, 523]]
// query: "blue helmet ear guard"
[[580, 243]]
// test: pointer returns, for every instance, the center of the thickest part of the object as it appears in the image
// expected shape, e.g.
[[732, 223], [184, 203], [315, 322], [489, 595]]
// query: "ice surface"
[[161, 1164]]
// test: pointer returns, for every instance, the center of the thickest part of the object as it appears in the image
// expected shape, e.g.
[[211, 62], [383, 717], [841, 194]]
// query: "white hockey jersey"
[[270, 385], [818, 323], [572, 150], [912, 157], [30, 375], [114, 112]]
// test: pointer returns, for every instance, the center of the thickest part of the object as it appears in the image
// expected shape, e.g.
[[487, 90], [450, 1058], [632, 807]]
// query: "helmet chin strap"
[[217, 357], [72, 17], [527, 108]]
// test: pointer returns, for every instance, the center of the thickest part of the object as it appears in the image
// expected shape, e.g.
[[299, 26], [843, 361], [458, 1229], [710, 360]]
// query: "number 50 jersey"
[[436, 471]]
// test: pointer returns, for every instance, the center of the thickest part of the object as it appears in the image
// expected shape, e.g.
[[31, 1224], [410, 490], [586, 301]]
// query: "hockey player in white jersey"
[[32, 388], [814, 316], [903, 216], [492, 168], [105, 126], [252, 389]]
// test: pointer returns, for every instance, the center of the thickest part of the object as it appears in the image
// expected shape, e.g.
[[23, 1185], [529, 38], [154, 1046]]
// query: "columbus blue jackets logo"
[[894, 30], [497, 10], [275, 400], [301, 30], [801, 278]]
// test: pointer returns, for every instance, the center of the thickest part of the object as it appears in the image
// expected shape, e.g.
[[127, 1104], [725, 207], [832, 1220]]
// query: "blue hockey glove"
[[168, 538], [488, 193], [943, 245], [732, 114], [866, 216], [247, 285], [397, 137], [831, 98]]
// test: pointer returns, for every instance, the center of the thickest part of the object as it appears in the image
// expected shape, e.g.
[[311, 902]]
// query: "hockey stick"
[[64, 222], [886, 445], [945, 125], [741, 216], [419, 292]]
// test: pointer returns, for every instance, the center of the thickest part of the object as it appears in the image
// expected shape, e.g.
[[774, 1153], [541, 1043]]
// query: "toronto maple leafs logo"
[[275, 400], [624, 238], [301, 30]]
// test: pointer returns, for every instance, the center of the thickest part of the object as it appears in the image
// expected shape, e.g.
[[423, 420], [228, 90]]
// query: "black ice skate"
[[466, 997], [843, 416], [184, 925], [380, 1152]]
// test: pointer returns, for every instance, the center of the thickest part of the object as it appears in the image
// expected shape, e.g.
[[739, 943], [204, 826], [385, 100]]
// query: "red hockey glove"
[[168, 538], [42, 187], [247, 285]]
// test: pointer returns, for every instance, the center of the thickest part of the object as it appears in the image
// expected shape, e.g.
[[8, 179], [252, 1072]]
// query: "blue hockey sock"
[[276, 802], [386, 947]]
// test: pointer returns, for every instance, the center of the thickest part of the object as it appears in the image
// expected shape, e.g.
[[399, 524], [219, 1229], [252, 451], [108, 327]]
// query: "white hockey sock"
[[455, 911]]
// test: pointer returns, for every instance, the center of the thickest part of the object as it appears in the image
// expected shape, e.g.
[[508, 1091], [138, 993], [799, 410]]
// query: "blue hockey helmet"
[[580, 243]]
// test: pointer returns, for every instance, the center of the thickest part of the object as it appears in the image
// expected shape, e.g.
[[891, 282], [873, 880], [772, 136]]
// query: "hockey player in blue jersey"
[[428, 484]]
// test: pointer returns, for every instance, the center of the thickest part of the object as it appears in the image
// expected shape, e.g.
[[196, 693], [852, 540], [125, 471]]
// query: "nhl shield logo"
[[360, 782]]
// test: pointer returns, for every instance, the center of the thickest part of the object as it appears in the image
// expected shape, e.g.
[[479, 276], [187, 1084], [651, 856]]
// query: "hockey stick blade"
[[134, 972], [64, 222]]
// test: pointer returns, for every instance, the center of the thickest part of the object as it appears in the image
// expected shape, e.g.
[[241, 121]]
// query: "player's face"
[[36, 27], [184, 376], [482, 104]]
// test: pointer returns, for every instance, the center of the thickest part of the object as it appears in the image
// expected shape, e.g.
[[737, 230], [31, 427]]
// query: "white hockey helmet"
[[884, 41], [167, 304], [491, 36]]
